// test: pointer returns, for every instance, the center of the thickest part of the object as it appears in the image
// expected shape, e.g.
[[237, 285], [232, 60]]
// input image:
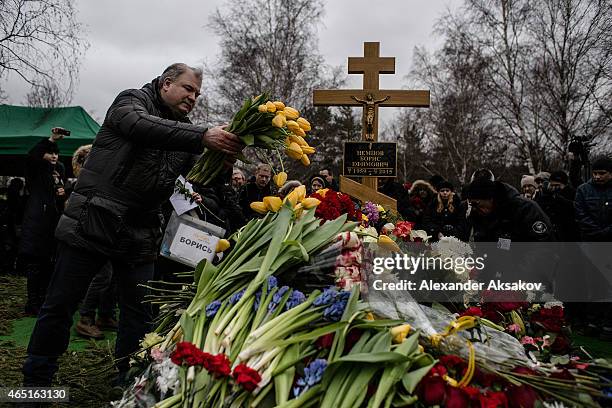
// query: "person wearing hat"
[[594, 203], [541, 180], [45, 177], [446, 214], [557, 200], [529, 186], [498, 212]]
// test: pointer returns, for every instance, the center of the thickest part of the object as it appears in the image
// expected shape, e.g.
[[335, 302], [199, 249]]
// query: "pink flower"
[[528, 340], [513, 328]]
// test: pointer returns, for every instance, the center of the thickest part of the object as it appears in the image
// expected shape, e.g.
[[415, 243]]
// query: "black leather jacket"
[[138, 153]]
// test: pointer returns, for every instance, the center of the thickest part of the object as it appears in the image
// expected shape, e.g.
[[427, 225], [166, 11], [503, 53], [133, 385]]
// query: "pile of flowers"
[[541, 328]]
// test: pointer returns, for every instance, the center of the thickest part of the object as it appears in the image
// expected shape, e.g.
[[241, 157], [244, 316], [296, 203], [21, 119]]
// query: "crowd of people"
[[93, 242]]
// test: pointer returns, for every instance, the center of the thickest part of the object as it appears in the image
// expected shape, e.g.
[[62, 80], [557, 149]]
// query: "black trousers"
[[74, 270]]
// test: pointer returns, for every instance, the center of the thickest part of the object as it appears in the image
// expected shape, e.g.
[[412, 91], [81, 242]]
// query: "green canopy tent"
[[22, 127]]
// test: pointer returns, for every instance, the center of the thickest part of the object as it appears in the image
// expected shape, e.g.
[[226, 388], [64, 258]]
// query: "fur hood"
[[422, 185]]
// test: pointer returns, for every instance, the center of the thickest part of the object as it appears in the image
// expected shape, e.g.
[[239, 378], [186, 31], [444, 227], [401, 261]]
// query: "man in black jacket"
[[45, 184], [256, 190], [114, 212]]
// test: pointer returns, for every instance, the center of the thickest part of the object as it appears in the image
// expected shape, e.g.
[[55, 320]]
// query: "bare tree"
[[40, 41], [573, 68], [267, 45], [47, 95]]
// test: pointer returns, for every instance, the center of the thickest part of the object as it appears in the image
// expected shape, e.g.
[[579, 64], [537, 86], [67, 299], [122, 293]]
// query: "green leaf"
[[248, 140], [413, 378], [371, 358]]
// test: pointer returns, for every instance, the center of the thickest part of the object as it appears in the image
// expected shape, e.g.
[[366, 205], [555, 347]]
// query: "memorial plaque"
[[370, 159]]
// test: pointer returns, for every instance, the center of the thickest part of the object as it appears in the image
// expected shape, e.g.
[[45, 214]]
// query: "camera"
[[60, 131]]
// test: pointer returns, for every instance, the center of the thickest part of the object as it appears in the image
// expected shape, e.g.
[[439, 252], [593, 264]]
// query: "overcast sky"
[[132, 41]]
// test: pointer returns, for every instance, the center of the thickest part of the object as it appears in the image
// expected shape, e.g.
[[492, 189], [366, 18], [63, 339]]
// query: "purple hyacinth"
[[333, 312], [236, 297], [276, 298], [326, 297], [295, 299], [313, 373], [212, 308]]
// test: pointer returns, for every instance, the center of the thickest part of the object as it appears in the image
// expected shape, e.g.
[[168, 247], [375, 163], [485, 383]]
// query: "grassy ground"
[[86, 369]]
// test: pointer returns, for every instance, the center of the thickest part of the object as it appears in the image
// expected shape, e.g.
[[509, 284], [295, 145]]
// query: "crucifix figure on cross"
[[370, 113], [371, 65]]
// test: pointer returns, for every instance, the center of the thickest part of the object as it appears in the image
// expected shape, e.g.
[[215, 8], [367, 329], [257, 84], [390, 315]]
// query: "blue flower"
[[236, 297], [334, 311], [277, 297], [295, 299], [313, 373], [212, 308], [326, 297], [272, 283], [257, 300]]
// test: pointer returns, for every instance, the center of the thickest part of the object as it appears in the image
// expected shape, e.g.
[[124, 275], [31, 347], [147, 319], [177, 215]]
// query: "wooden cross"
[[370, 97]]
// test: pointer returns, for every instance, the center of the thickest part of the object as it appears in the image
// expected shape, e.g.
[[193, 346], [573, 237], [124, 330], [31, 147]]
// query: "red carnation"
[[451, 360], [403, 229], [456, 398], [438, 370], [186, 353], [493, 400], [219, 365], [432, 390], [522, 396], [246, 377], [472, 311]]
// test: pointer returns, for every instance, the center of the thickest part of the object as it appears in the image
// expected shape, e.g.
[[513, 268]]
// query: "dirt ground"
[[87, 373]]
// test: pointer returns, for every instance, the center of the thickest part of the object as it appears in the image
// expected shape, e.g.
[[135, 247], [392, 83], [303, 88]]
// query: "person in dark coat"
[[556, 198], [422, 194], [594, 203], [114, 213], [446, 214], [330, 181], [258, 187], [498, 211], [45, 185]]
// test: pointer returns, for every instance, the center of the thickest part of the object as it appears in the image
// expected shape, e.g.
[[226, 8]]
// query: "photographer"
[[45, 184]]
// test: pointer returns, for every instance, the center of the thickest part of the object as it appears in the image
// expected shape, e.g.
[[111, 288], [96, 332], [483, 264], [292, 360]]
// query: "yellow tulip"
[[293, 126], [298, 210], [310, 202], [294, 151], [279, 121], [291, 113], [296, 139], [273, 203], [399, 333], [222, 245], [279, 105], [305, 160], [387, 243], [369, 316], [301, 192], [279, 179], [308, 149], [288, 141], [292, 197], [322, 192], [380, 208], [262, 108], [271, 107], [300, 132], [304, 124], [259, 207]]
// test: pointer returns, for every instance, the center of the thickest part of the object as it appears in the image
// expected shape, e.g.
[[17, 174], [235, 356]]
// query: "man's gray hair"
[[177, 69]]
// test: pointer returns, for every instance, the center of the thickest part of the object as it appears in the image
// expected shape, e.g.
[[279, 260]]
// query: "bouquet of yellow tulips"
[[264, 124]]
